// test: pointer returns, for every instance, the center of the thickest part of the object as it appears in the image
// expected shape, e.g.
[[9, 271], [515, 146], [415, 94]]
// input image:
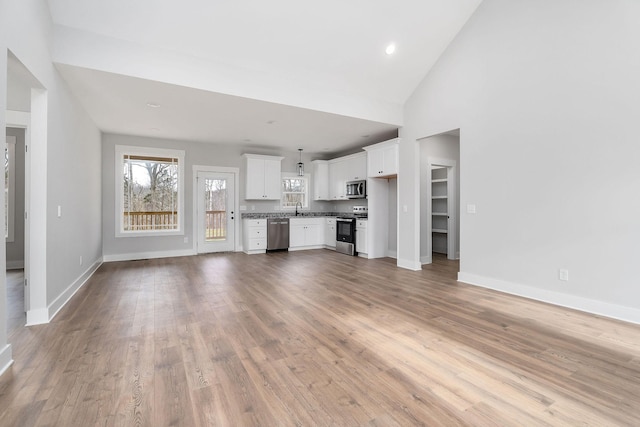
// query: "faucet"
[[298, 203]]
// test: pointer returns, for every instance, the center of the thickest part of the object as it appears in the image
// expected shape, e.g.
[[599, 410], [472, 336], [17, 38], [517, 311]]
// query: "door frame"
[[452, 202], [236, 201]]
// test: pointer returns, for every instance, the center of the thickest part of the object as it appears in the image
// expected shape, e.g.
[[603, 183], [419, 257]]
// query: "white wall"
[[546, 97], [442, 147], [70, 149]]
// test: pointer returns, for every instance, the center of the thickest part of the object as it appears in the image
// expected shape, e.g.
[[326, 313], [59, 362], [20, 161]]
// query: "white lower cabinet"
[[330, 233], [306, 233], [361, 238], [254, 236]]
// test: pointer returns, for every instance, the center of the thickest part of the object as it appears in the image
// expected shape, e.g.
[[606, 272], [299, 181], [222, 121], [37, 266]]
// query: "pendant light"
[[300, 164]]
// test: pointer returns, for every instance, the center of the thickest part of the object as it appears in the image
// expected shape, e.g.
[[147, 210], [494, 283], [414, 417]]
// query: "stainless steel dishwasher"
[[277, 233]]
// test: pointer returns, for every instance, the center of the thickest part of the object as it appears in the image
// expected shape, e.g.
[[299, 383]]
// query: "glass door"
[[216, 212]]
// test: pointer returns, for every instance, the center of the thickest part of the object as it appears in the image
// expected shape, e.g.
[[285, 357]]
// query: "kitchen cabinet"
[[254, 236], [320, 179], [306, 233], [344, 169], [361, 238], [330, 233], [263, 177], [382, 159], [337, 182]]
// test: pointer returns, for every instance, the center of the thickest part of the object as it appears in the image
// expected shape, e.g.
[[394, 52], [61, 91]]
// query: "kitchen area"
[[354, 208]]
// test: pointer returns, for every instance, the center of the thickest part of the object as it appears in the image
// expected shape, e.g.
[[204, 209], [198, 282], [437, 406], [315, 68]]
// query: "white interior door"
[[216, 212]]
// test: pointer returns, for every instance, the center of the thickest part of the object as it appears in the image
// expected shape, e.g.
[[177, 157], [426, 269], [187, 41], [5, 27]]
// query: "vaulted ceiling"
[[284, 73]]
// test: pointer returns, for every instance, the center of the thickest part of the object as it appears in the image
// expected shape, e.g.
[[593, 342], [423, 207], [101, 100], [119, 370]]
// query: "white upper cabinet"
[[344, 169], [357, 168], [337, 181], [382, 159], [320, 179], [262, 179]]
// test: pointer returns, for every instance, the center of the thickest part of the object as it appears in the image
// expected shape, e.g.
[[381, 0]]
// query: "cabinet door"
[[314, 235], [337, 181], [321, 180], [296, 235], [357, 169], [361, 240], [330, 234], [255, 179], [375, 162], [272, 179], [390, 160]]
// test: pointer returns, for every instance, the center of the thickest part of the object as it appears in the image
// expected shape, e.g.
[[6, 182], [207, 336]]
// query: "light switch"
[[404, 208], [59, 211], [471, 209]]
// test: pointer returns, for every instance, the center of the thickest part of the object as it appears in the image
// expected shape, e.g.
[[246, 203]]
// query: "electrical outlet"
[[563, 274], [80, 259]]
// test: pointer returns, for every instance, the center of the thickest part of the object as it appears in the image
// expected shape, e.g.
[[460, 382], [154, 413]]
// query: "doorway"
[[443, 207], [440, 197], [14, 222], [27, 109], [215, 211]]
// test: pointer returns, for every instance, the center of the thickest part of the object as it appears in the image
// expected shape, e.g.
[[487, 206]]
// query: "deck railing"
[[216, 222], [159, 220]]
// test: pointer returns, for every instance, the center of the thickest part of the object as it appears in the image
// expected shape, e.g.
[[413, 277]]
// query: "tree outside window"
[[150, 186], [295, 189]]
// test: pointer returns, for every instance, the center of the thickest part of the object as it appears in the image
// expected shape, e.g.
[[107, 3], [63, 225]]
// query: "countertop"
[[282, 214]]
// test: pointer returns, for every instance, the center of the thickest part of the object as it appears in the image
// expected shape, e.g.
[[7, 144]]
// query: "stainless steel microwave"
[[357, 189]]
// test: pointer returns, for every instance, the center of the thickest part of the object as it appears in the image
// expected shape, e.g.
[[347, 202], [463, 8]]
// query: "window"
[[9, 188], [149, 191], [295, 189]]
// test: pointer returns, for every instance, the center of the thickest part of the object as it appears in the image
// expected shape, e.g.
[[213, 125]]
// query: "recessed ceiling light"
[[390, 49], [270, 122], [247, 140], [153, 105], [155, 129], [365, 136]]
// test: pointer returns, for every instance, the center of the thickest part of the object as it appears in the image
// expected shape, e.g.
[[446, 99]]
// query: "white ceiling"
[[331, 46]]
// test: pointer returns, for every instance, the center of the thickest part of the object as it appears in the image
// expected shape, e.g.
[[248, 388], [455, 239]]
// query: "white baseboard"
[[409, 264], [15, 265], [392, 254], [148, 255], [427, 259], [304, 248], [6, 358], [37, 316], [41, 316], [68, 293], [614, 311]]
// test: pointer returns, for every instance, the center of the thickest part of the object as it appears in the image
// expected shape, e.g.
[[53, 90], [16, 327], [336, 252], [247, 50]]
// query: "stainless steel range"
[[346, 230]]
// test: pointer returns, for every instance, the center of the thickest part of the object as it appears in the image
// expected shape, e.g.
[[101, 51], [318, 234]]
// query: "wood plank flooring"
[[315, 338]]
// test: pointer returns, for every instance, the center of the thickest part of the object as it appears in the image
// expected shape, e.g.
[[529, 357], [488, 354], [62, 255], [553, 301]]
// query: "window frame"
[[292, 175], [120, 152]]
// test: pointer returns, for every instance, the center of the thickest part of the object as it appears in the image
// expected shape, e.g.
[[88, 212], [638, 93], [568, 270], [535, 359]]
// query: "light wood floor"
[[315, 338]]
